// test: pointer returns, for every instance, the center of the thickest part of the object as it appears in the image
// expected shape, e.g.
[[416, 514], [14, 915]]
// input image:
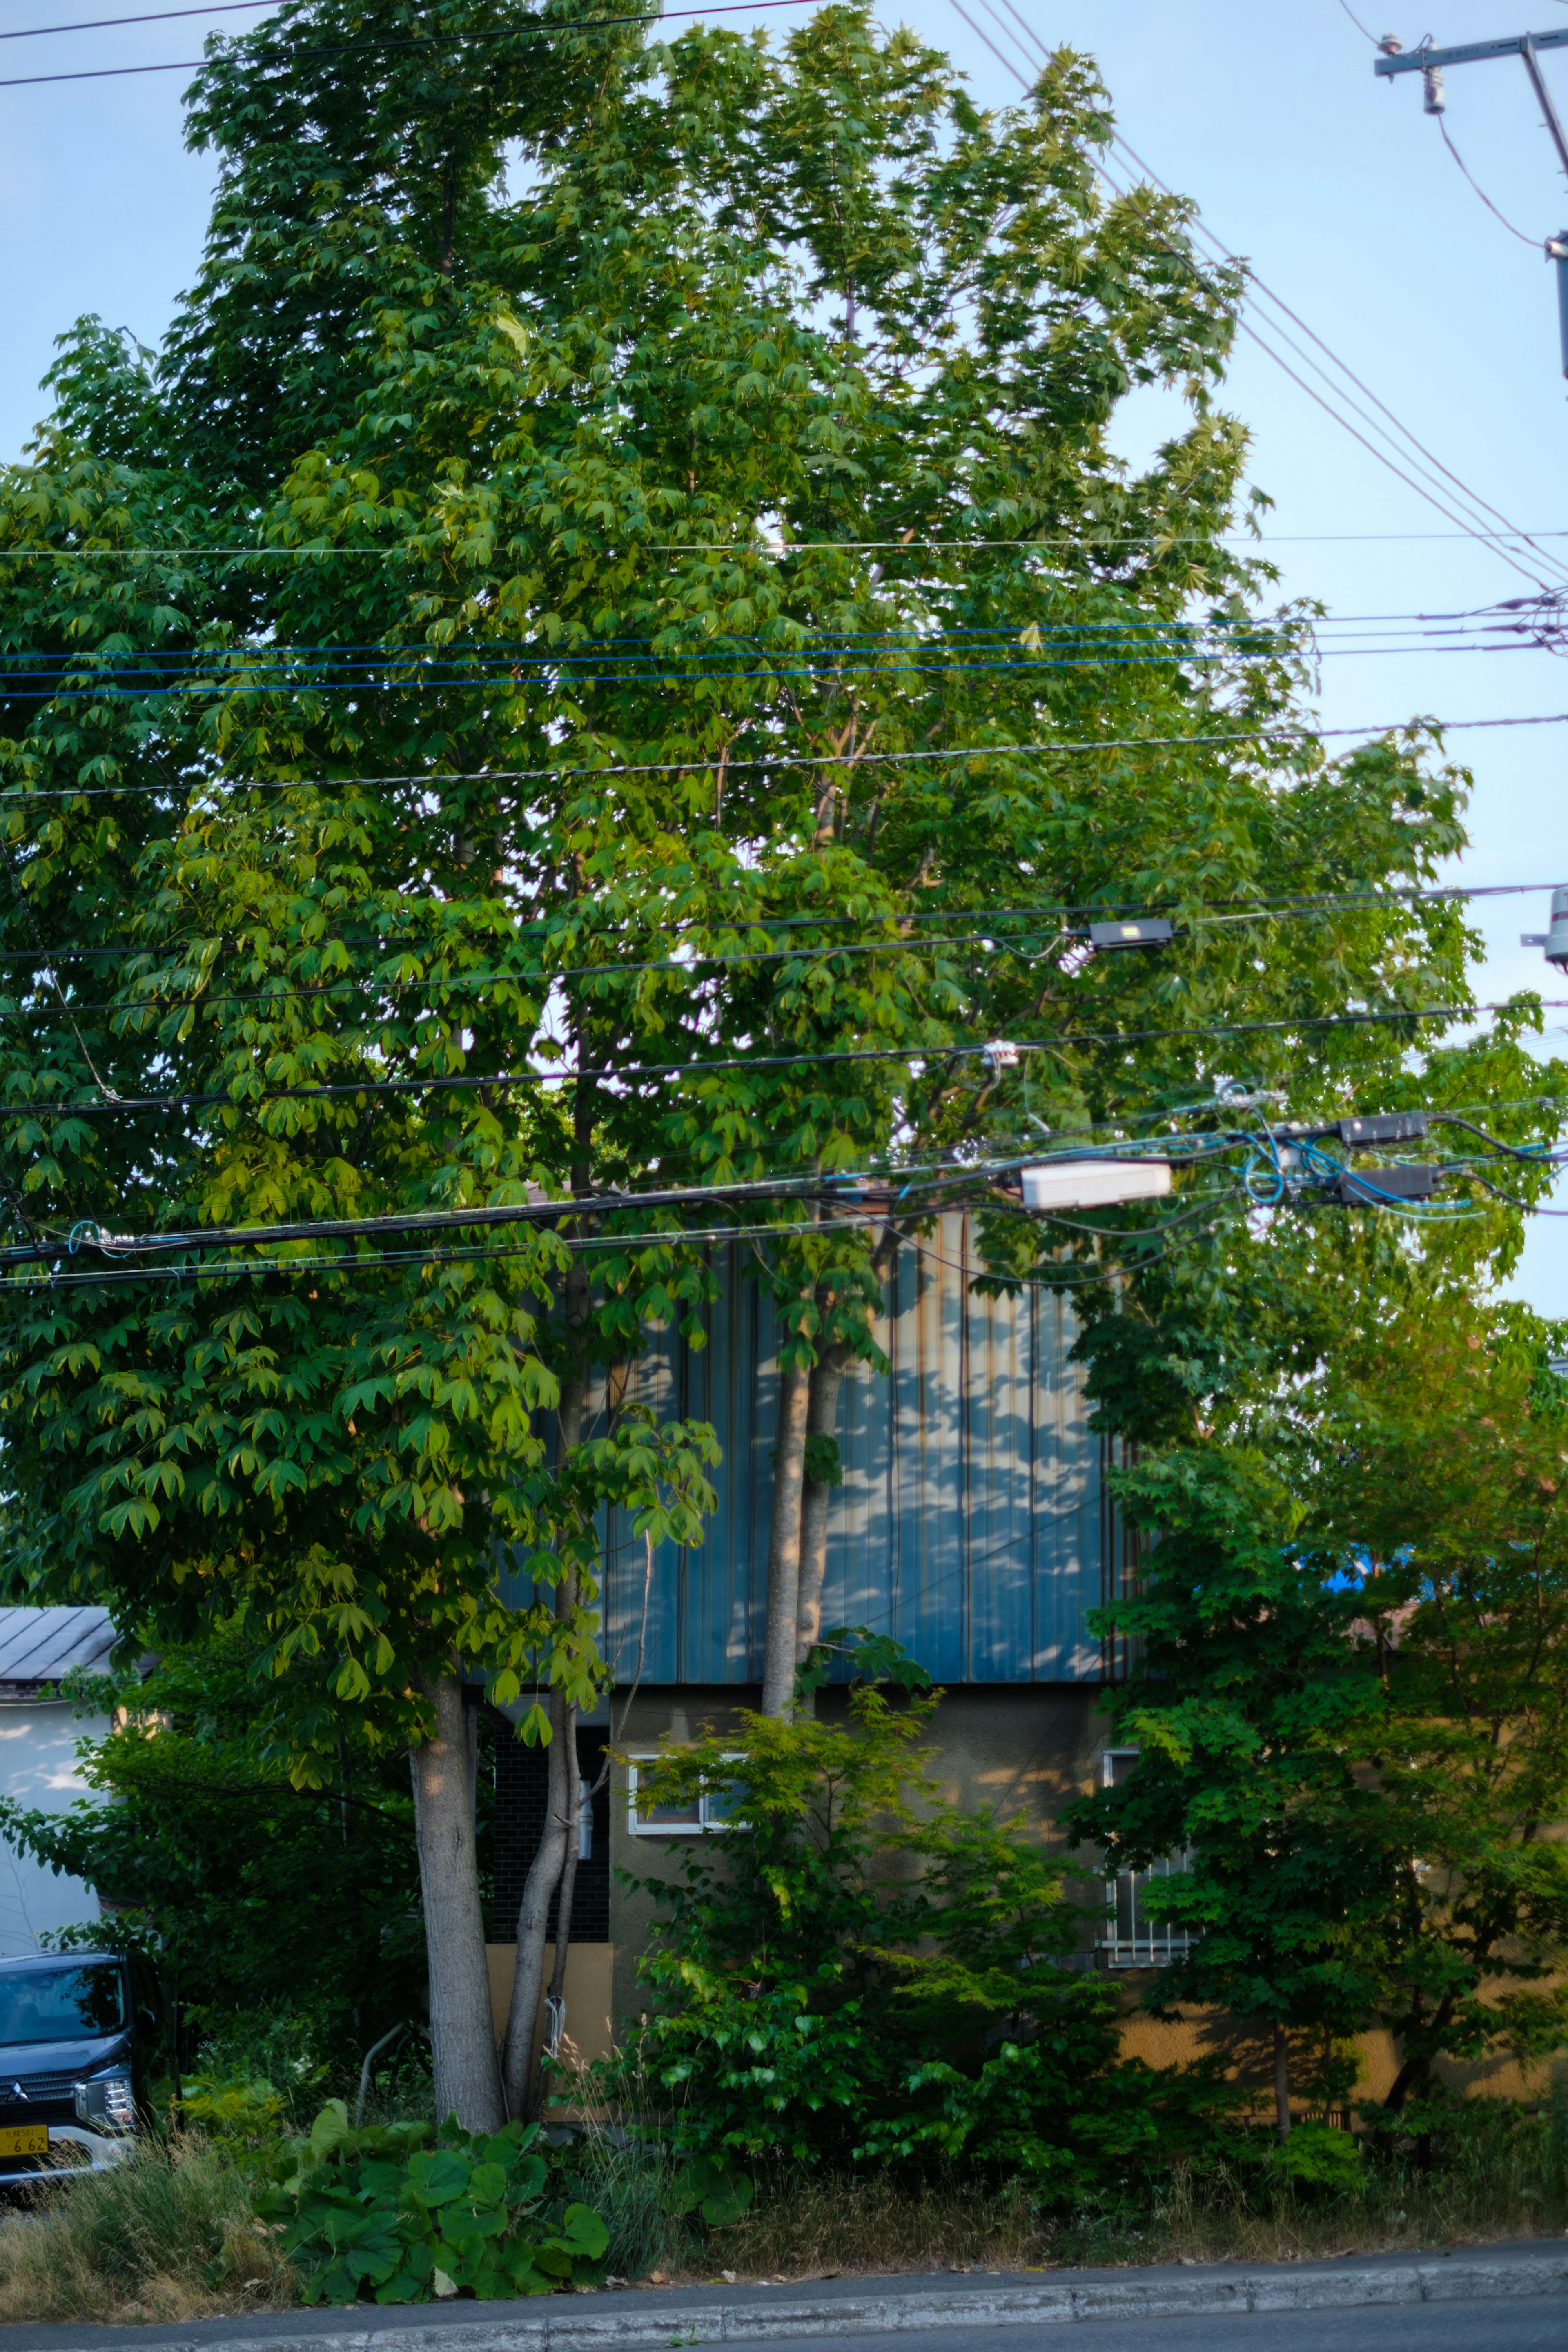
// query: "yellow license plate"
[[25, 2139]]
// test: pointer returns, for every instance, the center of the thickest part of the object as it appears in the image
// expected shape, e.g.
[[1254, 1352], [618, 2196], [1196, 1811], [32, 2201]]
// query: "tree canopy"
[[618, 570]]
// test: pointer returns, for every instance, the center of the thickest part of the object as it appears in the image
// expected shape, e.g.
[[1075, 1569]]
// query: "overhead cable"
[[306, 550], [1216, 911], [803, 1058], [1434, 496], [412, 41], [15, 795], [157, 16]]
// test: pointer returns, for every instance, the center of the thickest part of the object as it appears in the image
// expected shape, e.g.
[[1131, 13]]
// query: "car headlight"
[[106, 2102]]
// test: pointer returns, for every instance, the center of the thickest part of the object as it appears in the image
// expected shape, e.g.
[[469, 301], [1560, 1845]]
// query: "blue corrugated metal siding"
[[973, 1522]]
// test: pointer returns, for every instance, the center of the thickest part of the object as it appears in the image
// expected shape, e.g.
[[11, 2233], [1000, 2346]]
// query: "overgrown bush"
[[856, 1974], [406, 2214]]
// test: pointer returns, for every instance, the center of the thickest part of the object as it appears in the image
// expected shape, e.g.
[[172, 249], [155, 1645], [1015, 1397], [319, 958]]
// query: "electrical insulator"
[[1557, 251], [1432, 86], [1554, 940]]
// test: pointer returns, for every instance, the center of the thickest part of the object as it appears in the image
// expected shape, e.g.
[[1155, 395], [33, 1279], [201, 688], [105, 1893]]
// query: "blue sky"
[[1335, 186]]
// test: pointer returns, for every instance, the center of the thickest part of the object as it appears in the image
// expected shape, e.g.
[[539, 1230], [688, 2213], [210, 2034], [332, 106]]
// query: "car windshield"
[[62, 2004]]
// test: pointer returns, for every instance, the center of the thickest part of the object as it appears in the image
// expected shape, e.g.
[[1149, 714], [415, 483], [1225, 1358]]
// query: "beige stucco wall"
[[588, 2009]]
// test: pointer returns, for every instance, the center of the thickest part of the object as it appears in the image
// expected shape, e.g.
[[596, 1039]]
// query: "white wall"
[[38, 1768]]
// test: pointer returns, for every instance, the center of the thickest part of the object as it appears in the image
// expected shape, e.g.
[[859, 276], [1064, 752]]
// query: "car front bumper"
[[72, 2149]]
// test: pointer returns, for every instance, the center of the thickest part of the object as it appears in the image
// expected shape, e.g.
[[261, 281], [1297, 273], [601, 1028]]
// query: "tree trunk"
[[821, 1420], [568, 1889], [533, 1912], [544, 1870], [1281, 2084], [783, 1544], [461, 2036]]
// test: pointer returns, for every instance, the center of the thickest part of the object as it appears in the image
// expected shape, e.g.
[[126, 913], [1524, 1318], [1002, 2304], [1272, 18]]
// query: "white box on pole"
[[1095, 1183]]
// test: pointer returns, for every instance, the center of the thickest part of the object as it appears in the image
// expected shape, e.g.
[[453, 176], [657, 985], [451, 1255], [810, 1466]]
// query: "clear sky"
[[1337, 188]]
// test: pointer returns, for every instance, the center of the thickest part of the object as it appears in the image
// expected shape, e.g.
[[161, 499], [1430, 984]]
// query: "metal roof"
[[39, 1645]]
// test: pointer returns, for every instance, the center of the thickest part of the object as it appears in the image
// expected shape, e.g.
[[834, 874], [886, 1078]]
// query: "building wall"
[[973, 1524], [38, 1768]]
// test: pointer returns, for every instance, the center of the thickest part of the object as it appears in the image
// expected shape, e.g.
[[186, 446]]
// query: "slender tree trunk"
[[1281, 2084], [544, 1870], [462, 2040], [567, 1891], [783, 1544], [821, 1422], [533, 1913]]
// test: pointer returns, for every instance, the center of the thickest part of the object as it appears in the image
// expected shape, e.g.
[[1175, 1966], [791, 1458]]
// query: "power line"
[[1217, 910], [1433, 496], [1482, 508], [1020, 667], [158, 16], [413, 41], [1196, 916], [1084, 542], [803, 1058], [1533, 242], [14, 795]]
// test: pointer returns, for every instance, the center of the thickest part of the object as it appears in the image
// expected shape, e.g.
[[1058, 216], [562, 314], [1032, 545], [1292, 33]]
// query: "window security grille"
[[1132, 1939]]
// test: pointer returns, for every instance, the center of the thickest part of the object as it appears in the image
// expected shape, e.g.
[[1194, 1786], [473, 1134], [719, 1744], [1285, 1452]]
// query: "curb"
[[671, 2327]]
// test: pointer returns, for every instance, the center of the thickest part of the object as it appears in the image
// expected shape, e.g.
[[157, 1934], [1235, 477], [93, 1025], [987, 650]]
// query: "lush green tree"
[[1348, 1705], [1443, 1491], [675, 595]]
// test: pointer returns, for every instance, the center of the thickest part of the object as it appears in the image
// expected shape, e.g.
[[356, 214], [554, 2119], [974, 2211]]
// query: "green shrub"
[[383, 2213], [855, 1974], [1316, 2156], [233, 2112]]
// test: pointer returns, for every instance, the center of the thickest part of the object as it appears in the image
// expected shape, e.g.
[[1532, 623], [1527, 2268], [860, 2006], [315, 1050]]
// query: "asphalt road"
[[1531, 2324]]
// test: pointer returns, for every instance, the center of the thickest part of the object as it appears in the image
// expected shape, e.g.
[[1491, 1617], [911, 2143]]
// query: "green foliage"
[[713, 2186], [233, 2112], [765, 432], [859, 1656], [855, 1974], [247, 1896], [406, 2214], [1351, 1636], [1317, 2156]]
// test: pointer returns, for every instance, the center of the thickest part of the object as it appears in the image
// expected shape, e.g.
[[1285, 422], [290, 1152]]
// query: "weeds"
[[143, 2243], [627, 2180]]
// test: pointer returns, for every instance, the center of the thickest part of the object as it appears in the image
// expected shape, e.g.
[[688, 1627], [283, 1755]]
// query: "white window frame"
[[708, 1824], [1133, 1942]]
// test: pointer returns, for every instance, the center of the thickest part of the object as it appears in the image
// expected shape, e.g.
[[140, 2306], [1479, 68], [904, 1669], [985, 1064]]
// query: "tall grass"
[[626, 2180], [144, 2242]]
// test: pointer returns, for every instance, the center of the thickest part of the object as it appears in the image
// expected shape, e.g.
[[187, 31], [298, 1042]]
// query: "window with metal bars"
[[1133, 1938]]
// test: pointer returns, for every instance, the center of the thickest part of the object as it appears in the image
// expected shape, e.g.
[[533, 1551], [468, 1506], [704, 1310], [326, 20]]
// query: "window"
[[66, 2004], [1132, 1939], [715, 1809], [584, 1820]]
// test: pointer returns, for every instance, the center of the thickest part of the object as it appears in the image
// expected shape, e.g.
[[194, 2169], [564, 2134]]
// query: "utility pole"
[[1430, 63]]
